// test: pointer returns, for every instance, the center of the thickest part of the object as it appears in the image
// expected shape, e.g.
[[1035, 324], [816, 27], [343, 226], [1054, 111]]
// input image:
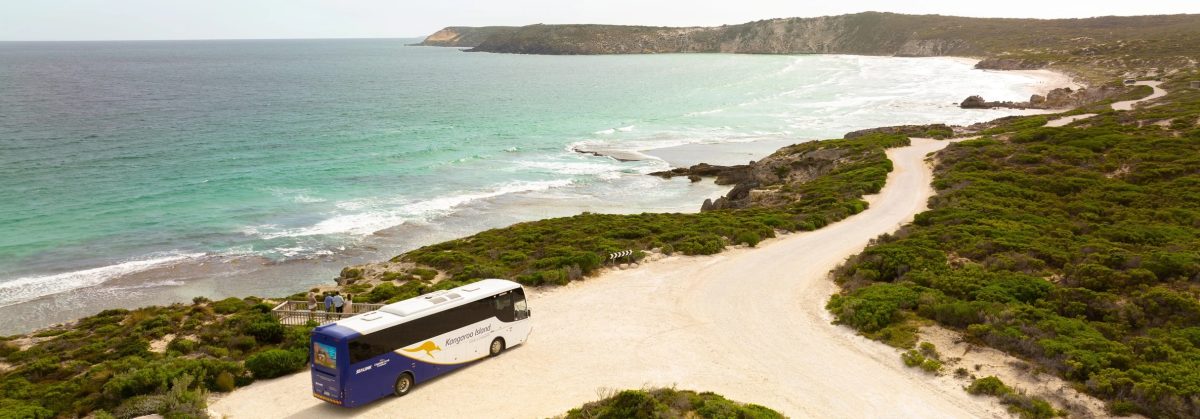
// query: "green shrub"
[[224, 382], [182, 345], [929, 350], [351, 273], [381, 292], [931, 365], [275, 362], [229, 305], [912, 359], [243, 343], [669, 403], [265, 329], [18, 409], [8, 348], [749, 238], [990, 386], [874, 307]]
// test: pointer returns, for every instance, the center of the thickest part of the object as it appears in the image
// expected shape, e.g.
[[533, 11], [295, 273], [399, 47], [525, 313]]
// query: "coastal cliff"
[[463, 36], [869, 33], [1094, 49], [864, 33]]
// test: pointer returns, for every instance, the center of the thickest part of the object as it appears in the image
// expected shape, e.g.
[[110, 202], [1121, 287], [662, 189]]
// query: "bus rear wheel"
[[404, 384], [497, 347]]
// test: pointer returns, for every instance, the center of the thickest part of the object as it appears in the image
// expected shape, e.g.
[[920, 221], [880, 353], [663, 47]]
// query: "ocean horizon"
[[149, 172]]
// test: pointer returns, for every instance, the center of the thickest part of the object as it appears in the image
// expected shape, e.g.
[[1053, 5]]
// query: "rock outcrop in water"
[[754, 182], [1061, 98]]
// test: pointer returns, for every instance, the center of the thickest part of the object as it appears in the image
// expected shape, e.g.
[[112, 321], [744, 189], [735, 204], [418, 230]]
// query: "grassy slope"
[[1073, 247]]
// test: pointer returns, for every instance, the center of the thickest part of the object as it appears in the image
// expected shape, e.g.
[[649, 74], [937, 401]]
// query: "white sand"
[[1066, 120], [749, 324], [1047, 80], [984, 361]]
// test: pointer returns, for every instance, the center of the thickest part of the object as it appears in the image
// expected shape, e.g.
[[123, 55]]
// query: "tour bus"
[[366, 357]]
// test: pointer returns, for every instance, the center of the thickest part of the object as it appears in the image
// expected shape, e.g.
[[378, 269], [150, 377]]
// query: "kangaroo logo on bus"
[[428, 347]]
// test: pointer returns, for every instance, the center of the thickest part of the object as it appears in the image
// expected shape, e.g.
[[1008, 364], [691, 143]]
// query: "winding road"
[[749, 324], [1118, 106], [1129, 104]]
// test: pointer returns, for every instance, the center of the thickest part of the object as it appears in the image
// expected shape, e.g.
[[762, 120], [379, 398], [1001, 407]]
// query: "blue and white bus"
[[388, 351]]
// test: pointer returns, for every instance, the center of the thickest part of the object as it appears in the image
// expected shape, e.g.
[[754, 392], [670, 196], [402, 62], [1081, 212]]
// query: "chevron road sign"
[[621, 254]]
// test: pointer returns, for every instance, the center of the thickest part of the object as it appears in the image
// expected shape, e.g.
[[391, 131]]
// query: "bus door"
[[520, 307]]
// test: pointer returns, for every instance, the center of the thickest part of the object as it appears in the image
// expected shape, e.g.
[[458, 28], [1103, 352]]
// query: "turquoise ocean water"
[[135, 173]]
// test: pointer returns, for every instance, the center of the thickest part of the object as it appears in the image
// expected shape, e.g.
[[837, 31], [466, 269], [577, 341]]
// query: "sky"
[[51, 20]]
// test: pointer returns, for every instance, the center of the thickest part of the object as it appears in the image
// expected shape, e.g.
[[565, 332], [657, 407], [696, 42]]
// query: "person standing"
[[312, 305], [349, 304], [328, 302], [339, 303]]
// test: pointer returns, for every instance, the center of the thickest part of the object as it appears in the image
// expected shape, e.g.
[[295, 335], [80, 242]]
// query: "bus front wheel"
[[404, 384], [497, 347]]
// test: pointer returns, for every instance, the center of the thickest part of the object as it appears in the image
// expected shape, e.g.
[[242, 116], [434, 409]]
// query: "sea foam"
[[371, 216], [32, 287]]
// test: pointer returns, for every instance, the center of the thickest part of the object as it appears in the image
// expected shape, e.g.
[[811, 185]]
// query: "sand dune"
[[749, 324]]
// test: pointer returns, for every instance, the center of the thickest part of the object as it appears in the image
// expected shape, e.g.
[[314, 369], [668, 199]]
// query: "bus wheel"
[[404, 384], [497, 347]]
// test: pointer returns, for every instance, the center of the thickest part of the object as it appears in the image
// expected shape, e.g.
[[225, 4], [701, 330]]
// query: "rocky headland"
[[1093, 49], [463, 36]]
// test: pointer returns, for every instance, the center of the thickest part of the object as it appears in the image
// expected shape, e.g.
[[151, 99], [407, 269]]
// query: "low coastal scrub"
[[1074, 248], [1027, 407], [559, 250], [927, 358], [127, 363], [669, 403]]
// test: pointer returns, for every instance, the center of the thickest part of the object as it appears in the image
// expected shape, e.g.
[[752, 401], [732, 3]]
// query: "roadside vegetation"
[[1075, 248], [669, 403], [156, 360], [1020, 404]]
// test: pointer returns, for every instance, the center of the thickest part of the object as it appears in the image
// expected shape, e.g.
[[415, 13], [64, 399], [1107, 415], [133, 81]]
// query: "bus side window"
[[504, 307], [520, 306]]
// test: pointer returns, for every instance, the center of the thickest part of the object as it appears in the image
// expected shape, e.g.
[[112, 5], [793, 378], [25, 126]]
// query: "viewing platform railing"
[[296, 313]]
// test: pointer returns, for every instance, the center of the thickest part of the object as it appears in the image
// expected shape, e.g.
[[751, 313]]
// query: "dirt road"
[[749, 324], [1128, 105], [1119, 106]]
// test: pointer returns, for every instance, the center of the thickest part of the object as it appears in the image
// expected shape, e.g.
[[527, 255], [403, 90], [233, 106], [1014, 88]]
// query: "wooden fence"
[[296, 313]]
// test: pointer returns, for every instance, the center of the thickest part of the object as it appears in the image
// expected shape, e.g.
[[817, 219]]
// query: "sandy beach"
[[748, 323]]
